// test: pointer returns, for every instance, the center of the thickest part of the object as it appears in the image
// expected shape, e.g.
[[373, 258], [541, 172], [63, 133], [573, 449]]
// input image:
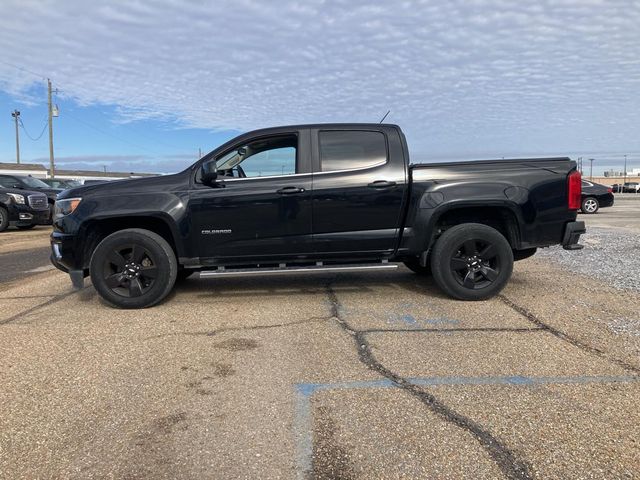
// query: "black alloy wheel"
[[472, 261], [129, 270], [475, 263], [133, 268]]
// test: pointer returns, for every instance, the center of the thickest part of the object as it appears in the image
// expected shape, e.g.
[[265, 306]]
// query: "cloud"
[[471, 78]]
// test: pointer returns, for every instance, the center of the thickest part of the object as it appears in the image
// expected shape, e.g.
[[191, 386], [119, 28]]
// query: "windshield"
[[33, 182]]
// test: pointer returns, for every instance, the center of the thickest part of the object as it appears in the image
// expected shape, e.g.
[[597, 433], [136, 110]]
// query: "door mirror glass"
[[209, 173]]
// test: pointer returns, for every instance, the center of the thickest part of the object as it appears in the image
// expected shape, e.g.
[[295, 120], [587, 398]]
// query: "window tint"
[[8, 182], [342, 150], [260, 158]]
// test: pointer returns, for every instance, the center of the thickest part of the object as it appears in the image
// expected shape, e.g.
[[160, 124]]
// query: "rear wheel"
[[4, 219], [590, 205], [472, 261], [133, 268]]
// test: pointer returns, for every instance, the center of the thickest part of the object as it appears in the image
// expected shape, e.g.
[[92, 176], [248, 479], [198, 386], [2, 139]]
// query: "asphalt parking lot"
[[325, 376]]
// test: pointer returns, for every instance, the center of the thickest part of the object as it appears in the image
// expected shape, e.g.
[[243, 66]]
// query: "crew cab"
[[23, 209], [316, 198]]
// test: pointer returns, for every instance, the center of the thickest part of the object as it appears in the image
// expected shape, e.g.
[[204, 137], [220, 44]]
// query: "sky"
[[141, 86]]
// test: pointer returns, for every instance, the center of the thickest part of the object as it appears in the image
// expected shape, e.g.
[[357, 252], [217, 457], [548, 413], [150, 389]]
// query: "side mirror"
[[209, 173], [18, 186]]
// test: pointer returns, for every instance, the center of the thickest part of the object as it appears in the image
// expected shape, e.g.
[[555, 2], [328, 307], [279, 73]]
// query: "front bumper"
[[572, 232], [24, 215], [64, 257]]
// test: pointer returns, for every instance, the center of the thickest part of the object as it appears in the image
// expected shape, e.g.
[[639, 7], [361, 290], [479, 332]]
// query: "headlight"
[[66, 206], [19, 199]]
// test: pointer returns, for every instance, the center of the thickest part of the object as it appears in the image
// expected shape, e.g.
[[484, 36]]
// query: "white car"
[[631, 187]]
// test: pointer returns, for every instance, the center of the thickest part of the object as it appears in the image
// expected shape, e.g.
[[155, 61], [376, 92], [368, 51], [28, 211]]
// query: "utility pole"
[[591, 169], [51, 167], [625, 171], [199, 153], [16, 115]]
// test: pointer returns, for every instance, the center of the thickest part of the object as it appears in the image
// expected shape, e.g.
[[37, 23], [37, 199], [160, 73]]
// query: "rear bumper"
[[572, 232]]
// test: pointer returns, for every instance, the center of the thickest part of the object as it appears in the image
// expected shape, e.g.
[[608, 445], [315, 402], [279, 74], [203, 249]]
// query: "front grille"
[[38, 202]]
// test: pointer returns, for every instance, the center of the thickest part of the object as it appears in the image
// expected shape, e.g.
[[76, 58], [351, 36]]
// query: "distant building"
[[39, 171]]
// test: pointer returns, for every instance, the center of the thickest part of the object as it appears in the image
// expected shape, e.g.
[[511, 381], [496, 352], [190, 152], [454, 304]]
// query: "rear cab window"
[[351, 149]]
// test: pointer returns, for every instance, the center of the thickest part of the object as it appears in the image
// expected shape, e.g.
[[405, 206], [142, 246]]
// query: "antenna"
[[385, 116]]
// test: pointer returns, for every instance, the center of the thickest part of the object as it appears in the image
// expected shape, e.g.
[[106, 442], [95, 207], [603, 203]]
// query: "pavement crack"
[[28, 311], [217, 331], [508, 462], [566, 337]]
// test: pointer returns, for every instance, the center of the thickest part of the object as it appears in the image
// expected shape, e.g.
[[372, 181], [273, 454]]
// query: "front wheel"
[[133, 268], [472, 262]]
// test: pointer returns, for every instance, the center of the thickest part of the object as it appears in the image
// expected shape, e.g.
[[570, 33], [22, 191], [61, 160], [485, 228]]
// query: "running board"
[[282, 270]]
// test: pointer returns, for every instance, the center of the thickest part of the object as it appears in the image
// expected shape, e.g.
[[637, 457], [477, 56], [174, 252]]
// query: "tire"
[[183, 274], [472, 261], [590, 205], [4, 219], [26, 227], [133, 268], [415, 267]]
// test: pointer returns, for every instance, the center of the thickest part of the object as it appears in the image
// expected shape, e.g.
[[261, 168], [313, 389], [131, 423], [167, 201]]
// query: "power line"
[[109, 134], [27, 133]]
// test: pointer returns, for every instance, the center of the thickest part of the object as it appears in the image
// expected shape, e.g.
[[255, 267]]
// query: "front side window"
[[260, 158], [344, 150]]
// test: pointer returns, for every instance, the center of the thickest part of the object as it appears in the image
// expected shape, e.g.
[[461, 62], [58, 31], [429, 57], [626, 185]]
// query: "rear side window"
[[343, 150]]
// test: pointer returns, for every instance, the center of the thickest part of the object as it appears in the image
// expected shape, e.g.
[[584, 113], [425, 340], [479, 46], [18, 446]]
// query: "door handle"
[[380, 184], [290, 190]]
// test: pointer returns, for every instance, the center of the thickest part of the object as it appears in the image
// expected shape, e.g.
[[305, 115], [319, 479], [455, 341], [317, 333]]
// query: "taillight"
[[609, 190], [574, 190]]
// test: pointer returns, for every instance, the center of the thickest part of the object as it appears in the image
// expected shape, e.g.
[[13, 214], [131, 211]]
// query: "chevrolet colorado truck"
[[23, 209], [316, 198]]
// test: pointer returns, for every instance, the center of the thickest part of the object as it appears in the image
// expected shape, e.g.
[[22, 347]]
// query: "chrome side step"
[[282, 270]]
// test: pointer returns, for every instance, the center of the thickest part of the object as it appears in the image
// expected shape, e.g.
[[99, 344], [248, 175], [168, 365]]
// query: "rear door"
[[359, 185]]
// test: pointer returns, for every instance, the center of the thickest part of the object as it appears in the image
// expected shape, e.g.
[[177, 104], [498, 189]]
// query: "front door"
[[260, 206]]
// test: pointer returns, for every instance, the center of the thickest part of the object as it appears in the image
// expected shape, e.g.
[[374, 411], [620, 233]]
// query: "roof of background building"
[[37, 167], [21, 166], [96, 173]]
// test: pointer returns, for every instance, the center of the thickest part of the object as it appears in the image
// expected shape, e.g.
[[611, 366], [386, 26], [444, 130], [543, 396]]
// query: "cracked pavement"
[[327, 376]]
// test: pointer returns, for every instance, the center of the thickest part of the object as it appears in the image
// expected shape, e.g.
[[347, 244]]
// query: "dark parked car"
[[95, 182], [61, 184], [595, 197], [27, 182], [316, 198], [23, 209]]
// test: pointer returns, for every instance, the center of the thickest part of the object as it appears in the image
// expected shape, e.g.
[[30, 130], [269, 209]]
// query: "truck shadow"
[[307, 284]]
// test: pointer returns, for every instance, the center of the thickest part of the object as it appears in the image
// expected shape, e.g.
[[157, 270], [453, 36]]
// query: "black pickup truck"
[[316, 198]]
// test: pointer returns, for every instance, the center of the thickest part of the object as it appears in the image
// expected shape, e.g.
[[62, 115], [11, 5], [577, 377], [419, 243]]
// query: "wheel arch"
[[94, 230]]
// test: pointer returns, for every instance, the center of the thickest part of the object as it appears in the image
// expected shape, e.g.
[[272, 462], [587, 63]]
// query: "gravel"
[[612, 256]]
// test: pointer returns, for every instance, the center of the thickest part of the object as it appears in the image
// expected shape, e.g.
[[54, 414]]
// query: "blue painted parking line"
[[304, 418]]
